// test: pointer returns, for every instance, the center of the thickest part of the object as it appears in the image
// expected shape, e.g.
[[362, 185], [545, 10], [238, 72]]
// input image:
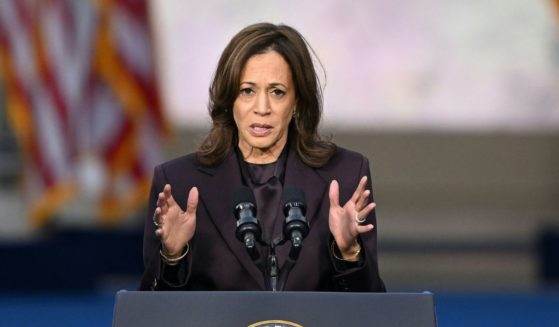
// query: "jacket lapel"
[[217, 195]]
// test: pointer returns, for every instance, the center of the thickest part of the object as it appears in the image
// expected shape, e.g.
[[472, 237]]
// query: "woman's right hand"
[[175, 228]]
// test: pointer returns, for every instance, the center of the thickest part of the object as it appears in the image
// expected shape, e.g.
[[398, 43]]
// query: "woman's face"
[[264, 107]]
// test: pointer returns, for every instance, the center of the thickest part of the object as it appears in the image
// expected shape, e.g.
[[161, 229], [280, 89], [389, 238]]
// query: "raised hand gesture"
[[346, 222], [175, 228]]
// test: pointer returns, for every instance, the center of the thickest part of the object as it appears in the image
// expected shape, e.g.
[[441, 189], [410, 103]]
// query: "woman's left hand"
[[343, 221]]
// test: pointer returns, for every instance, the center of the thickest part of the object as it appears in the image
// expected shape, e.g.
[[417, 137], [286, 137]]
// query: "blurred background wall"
[[455, 103]]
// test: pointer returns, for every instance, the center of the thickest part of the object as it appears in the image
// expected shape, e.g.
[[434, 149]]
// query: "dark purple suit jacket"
[[218, 261]]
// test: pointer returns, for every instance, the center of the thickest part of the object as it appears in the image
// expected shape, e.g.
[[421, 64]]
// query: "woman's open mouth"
[[260, 130]]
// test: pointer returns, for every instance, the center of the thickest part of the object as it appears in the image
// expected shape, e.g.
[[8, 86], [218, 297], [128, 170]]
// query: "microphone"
[[248, 229], [295, 226]]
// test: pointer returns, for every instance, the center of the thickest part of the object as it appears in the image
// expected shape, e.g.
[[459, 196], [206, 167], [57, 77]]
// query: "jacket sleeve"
[[362, 276]]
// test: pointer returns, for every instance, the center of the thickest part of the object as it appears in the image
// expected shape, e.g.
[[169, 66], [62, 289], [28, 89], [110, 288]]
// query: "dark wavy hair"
[[303, 129]]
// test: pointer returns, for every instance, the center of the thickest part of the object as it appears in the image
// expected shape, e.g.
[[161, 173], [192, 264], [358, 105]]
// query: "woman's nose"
[[262, 106]]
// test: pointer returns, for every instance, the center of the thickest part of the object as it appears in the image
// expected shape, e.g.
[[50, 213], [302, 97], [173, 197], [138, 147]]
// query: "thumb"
[[192, 201], [334, 194]]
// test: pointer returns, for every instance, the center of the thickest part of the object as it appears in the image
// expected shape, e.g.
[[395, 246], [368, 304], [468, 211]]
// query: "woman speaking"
[[265, 106]]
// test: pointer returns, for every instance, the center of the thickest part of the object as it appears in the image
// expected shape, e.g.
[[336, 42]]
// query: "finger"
[[159, 233], [168, 195], [363, 200], [157, 216], [360, 187], [167, 190], [334, 194], [192, 201], [367, 210], [162, 202], [365, 228]]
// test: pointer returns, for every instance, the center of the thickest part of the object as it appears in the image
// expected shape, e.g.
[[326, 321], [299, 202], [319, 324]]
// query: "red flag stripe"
[[52, 86], [18, 91], [149, 91], [139, 9]]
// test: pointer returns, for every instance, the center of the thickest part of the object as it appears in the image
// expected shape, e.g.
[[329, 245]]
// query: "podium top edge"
[[422, 293]]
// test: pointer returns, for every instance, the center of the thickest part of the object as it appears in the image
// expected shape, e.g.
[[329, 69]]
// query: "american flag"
[[81, 96]]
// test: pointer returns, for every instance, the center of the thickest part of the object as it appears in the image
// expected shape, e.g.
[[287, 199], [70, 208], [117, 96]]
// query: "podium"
[[273, 309]]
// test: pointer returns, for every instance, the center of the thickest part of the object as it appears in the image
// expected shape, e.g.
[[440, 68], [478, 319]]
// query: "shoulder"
[[189, 166], [345, 159], [180, 166], [345, 166], [188, 160], [182, 173]]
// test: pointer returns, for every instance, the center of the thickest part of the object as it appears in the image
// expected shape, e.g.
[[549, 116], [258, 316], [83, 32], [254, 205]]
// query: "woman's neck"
[[261, 156]]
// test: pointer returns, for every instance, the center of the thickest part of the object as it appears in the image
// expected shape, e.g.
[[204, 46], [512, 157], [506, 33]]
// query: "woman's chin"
[[261, 150], [263, 143], [262, 147]]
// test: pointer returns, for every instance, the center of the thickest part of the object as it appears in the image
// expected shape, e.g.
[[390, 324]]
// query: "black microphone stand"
[[273, 268], [289, 263], [274, 277], [250, 233]]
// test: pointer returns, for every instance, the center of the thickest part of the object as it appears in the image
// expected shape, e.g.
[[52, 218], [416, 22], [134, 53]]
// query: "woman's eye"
[[247, 91], [278, 92]]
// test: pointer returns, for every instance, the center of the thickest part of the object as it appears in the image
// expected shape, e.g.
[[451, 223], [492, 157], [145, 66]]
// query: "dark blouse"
[[266, 181]]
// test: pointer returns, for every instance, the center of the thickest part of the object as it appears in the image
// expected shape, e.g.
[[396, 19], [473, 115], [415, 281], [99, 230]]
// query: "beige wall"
[[455, 210]]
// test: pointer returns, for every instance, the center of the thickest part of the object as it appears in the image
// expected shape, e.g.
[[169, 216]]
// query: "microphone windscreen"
[[243, 194], [293, 194]]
